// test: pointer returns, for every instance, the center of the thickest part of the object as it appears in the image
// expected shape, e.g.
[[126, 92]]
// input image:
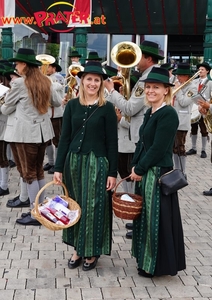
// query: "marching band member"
[[56, 115], [200, 82], [135, 106], [29, 97], [182, 102]]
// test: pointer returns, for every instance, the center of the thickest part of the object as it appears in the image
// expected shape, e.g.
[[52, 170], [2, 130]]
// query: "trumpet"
[[46, 61]]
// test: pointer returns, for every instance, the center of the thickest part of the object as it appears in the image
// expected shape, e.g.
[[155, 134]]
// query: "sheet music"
[[3, 90]]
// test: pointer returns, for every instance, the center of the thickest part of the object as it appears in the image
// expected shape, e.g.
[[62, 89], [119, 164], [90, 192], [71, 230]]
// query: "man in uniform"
[[135, 107], [205, 86]]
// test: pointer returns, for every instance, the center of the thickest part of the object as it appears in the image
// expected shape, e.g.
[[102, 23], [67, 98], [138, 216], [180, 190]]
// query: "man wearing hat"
[[182, 102], [135, 107], [56, 114], [201, 83], [75, 57], [170, 68], [93, 56]]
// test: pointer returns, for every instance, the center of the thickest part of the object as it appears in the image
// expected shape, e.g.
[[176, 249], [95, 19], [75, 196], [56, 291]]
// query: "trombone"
[[185, 83], [46, 61]]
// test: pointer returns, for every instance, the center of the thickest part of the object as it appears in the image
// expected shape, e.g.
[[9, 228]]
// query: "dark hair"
[[154, 59]]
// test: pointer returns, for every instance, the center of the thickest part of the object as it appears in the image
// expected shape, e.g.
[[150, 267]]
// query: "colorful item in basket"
[[60, 205], [126, 197], [60, 200], [59, 215], [47, 214]]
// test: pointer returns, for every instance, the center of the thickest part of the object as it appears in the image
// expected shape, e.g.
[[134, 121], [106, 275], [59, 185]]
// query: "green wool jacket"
[[98, 134], [156, 141]]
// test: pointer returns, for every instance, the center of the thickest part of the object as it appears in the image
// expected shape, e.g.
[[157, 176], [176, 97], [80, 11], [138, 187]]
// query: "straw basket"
[[125, 209], [72, 205]]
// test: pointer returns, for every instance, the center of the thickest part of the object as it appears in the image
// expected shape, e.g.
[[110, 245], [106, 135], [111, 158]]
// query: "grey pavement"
[[33, 260]]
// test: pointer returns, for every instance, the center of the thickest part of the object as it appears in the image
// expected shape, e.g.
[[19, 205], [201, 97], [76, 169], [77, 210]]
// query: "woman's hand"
[[111, 183], [57, 178], [134, 176]]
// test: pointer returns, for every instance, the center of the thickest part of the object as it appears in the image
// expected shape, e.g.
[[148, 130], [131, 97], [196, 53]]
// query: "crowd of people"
[[93, 136]]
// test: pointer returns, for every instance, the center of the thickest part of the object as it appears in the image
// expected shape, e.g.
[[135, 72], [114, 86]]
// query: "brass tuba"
[[126, 55], [46, 60], [71, 80]]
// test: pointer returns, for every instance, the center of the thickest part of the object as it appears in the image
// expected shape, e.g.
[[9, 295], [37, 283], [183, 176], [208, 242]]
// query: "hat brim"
[[95, 59], [34, 62], [75, 56], [8, 73], [152, 54], [179, 72], [156, 81], [208, 68], [105, 76]]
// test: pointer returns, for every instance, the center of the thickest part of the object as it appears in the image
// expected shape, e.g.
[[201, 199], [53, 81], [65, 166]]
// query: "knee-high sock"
[[24, 191], [41, 183], [33, 189], [4, 178], [9, 152], [55, 154], [194, 141], [50, 154], [183, 162], [176, 161], [204, 142]]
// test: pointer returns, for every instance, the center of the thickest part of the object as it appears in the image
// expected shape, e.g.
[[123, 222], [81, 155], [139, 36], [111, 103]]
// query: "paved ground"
[[33, 260]]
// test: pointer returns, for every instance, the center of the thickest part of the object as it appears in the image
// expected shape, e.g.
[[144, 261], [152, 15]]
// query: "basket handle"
[[120, 182], [42, 189]]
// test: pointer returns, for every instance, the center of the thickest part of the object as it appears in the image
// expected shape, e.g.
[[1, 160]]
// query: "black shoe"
[[4, 192], [23, 215], [72, 264], [14, 199], [129, 226], [51, 171], [144, 274], [18, 203], [89, 266], [28, 221], [129, 235], [47, 167], [208, 193], [12, 164], [191, 152], [203, 154]]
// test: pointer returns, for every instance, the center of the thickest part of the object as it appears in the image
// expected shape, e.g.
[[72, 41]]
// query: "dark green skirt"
[[85, 177]]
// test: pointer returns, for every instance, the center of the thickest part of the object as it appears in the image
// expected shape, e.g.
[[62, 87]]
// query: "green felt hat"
[[183, 69], [167, 66], [151, 49], [75, 54], [93, 67], [111, 71], [9, 72], [158, 75], [26, 55], [93, 56]]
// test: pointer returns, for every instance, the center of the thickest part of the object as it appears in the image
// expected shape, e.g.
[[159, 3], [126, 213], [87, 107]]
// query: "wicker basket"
[[72, 205], [125, 209]]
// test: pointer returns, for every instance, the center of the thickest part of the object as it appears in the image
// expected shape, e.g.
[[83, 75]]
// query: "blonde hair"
[[39, 88], [101, 97], [167, 98]]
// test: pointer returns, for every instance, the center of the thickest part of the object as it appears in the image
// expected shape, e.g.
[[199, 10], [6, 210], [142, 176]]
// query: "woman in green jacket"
[[157, 234], [87, 161]]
